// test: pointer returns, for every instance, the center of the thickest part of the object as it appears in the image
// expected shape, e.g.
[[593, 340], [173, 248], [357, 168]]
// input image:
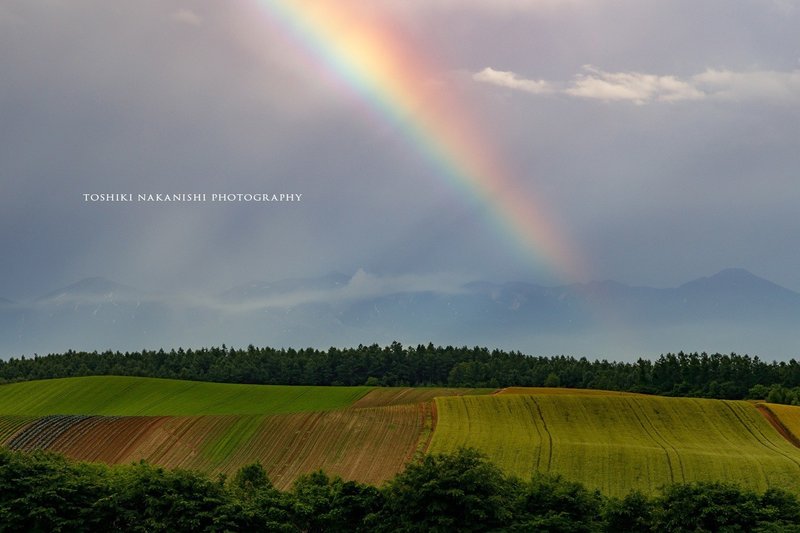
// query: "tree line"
[[726, 376], [441, 493]]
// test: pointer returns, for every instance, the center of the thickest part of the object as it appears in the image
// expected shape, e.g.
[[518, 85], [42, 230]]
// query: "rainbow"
[[363, 50]]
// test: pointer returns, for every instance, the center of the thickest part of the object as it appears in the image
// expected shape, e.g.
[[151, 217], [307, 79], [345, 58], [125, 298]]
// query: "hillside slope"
[[119, 395], [369, 445], [361, 433], [611, 441], [620, 443]]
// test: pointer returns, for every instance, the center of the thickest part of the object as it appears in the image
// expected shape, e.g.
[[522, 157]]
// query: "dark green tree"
[[321, 503], [256, 504], [44, 492], [706, 507], [149, 498], [442, 493], [550, 503], [632, 514]]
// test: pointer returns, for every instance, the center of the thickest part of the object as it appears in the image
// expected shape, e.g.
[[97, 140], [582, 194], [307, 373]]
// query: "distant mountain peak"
[[95, 281], [731, 275], [734, 279], [734, 273]]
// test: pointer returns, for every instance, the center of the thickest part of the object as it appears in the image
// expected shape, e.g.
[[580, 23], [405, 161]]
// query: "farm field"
[[402, 395], [612, 441], [550, 391], [785, 419], [619, 443], [10, 425], [132, 396], [369, 445], [289, 430]]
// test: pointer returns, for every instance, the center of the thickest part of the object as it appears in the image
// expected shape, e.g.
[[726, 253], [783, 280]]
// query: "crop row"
[[366, 444], [369, 445], [113, 440], [78, 432], [44, 431], [10, 425]]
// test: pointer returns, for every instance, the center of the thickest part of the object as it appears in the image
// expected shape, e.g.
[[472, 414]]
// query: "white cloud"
[[511, 81], [186, 16], [763, 85], [636, 87], [644, 88], [488, 5], [508, 5]]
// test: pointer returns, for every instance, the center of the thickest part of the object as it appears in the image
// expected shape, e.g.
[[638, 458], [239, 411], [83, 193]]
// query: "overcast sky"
[[663, 136]]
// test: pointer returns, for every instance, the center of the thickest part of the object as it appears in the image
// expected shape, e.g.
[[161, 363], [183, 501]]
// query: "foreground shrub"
[[458, 492], [550, 503]]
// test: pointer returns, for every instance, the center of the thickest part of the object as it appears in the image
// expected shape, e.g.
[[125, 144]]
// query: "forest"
[[723, 376], [461, 491]]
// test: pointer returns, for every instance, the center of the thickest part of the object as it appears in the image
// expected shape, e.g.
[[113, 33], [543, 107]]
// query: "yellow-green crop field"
[[562, 391], [787, 415], [620, 443]]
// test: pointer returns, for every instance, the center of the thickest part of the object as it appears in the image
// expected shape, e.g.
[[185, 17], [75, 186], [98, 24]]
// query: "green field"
[[116, 395], [619, 443]]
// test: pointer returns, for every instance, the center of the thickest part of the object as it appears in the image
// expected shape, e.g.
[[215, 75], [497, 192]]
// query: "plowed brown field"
[[369, 444], [11, 425], [41, 433]]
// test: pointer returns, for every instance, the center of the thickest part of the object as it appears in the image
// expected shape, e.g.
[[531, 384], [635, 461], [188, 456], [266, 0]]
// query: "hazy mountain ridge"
[[97, 286], [732, 307], [265, 289]]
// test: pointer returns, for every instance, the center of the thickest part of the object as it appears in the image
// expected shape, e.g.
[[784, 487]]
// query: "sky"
[[550, 141]]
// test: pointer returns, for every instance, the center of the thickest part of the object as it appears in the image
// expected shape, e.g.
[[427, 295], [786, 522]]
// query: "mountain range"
[[732, 310]]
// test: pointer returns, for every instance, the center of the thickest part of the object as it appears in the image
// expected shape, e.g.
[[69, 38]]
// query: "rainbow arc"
[[366, 52]]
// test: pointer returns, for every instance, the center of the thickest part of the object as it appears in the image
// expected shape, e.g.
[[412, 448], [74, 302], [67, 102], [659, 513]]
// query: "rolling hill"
[[614, 442], [118, 395], [360, 433], [617, 443]]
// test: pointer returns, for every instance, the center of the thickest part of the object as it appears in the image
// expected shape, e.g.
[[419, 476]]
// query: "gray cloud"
[[690, 169], [361, 285]]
